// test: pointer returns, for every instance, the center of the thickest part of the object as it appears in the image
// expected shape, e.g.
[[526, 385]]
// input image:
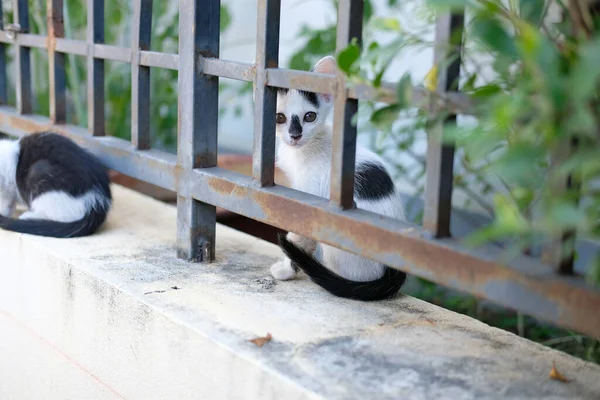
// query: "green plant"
[[117, 75], [530, 157], [533, 147]]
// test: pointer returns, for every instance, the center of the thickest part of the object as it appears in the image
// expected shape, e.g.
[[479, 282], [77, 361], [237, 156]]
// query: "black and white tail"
[[383, 288], [41, 227]]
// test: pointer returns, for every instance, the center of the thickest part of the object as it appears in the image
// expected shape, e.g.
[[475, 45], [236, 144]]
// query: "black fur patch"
[[310, 96], [295, 126], [383, 288], [83, 227], [49, 162], [372, 182]]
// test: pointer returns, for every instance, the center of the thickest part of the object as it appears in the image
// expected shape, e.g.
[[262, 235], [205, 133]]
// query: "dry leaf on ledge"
[[260, 341], [557, 376]]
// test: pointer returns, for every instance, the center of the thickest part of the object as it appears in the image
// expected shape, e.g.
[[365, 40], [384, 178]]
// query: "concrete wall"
[[117, 316]]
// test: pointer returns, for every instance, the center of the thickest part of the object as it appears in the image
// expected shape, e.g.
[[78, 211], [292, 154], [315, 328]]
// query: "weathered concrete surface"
[[116, 316]]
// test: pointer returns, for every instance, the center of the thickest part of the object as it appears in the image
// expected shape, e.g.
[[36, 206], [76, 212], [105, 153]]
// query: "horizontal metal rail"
[[523, 284], [455, 102]]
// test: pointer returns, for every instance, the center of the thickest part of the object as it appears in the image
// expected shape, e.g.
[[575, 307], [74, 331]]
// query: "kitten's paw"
[[282, 270]]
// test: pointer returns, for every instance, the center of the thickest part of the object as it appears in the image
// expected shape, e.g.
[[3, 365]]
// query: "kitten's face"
[[301, 115]]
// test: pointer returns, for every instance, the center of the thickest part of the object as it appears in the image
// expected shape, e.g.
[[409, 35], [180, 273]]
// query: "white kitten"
[[304, 154]]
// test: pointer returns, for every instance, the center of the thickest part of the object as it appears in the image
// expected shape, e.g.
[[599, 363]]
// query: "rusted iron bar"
[[440, 155], [56, 62], [23, 58], [95, 68], [140, 75], [152, 166], [265, 97], [559, 253], [456, 102], [3, 63], [349, 28], [523, 284], [198, 124]]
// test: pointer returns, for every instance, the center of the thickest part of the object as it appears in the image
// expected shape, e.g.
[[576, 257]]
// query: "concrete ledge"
[[117, 316]]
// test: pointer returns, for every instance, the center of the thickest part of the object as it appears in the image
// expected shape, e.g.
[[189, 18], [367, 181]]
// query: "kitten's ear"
[[326, 65]]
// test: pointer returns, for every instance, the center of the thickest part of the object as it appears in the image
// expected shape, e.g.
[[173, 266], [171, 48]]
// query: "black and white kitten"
[[65, 187], [304, 154]]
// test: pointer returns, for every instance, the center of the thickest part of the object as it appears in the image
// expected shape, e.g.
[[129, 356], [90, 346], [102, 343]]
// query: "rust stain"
[[221, 186], [250, 73]]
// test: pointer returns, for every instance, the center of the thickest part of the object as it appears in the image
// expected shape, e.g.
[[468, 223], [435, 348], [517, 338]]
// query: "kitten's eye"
[[310, 116], [280, 118]]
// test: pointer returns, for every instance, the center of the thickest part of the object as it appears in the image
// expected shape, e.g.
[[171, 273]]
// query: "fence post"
[[265, 97], [140, 75], [198, 124], [3, 86], [95, 67], [349, 27], [56, 62], [23, 60], [559, 253], [440, 156]]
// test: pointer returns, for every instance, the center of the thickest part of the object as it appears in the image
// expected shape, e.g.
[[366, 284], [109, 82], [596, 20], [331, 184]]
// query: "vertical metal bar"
[[56, 62], [23, 60], [349, 27], [440, 155], [559, 253], [265, 98], [198, 124], [140, 75], [95, 67], [3, 78]]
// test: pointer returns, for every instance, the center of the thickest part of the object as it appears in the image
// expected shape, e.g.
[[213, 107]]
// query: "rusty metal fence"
[[526, 284]]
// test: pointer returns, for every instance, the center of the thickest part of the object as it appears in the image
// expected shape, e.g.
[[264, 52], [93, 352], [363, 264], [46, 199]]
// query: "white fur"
[[62, 207], [9, 157], [307, 164], [282, 270]]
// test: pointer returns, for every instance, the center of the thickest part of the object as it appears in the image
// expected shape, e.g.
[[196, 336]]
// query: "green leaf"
[[563, 215], [348, 57], [486, 91], [225, 18], [583, 81], [493, 35], [404, 91], [386, 24], [469, 84], [508, 221], [385, 116], [446, 5], [367, 10], [517, 165], [532, 10]]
